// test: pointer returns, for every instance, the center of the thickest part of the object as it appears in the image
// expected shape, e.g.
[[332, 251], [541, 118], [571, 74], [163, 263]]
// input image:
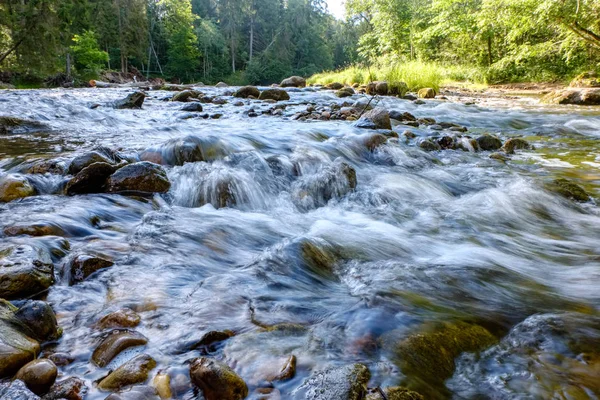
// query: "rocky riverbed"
[[297, 243]]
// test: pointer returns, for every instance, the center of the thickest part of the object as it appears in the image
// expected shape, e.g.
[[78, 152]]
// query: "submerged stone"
[[568, 189], [16, 390], [132, 372], [216, 380], [124, 318], [83, 265], [339, 383], [187, 149], [114, 344]]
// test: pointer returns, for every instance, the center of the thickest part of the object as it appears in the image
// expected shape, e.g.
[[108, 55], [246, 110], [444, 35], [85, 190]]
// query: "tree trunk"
[[232, 52], [13, 48], [68, 64], [251, 37], [489, 49]]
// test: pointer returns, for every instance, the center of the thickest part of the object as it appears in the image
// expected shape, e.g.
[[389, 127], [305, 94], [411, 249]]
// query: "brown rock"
[[216, 380], [124, 318], [133, 371], [144, 177], [39, 375], [24, 270], [84, 265], [288, 371], [426, 93], [13, 187], [247, 91], [274, 94], [114, 344], [70, 389]]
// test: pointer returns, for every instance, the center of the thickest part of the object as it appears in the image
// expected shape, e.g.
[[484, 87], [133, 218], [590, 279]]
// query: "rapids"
[[422, 238]]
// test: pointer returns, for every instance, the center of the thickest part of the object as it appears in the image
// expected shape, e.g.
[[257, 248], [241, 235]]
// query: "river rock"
[[221, 85], [377, 118], [426, 93], [52, 166], [345, 92], [586, 80], [334, 86], [70, 389], [38, 375], [162, 384], [24, 270], [16, 348], [10, 125], [247, 91], [61, 359], [142, 176], [293, 81], [427, 358], [489, 143], [136, 393], [288, 371], [568, 189], [274, 94], [132, 101], [186, 95], [123, 318], [513, 144], [339, 383], [16, 390], [133, 371], [186, 149], [192, 107], [331, 181], [394, 393], [13, 187], [372, 142], [208, 339], [582, 97], [216, 380], [83, 265], [429, 145], [101, 155], [39, 320], [380, 88], [91, 179], [114, 344]]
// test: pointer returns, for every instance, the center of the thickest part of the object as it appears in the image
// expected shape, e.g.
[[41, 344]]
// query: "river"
[[424, 238]]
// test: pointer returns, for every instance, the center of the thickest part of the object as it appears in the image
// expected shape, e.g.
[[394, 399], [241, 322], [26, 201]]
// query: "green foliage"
[[87, 54]]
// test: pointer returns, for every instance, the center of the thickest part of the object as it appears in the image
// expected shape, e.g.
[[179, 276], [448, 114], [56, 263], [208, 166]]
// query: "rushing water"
[[424, 237]]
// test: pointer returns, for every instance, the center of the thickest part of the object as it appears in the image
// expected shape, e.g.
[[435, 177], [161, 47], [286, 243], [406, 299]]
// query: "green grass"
[[415, 74]]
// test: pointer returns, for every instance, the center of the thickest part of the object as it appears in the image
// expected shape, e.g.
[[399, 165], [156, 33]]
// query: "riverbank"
[[292, 244]]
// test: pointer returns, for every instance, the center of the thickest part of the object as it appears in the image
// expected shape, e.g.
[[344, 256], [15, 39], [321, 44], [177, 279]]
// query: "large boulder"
[[132, 372], [377, 118], [293, 81], [13, 187], [247, 91], [133, 101], [582, 97], [140, 177], [274, 94], [179, 151], [25, 270], [339, 383], [216, 380], [345, 92], [39, 375], [186, 95], [16, 348]]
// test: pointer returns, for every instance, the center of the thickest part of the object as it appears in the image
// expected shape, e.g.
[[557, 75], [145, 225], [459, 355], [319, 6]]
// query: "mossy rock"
[[345, 92], [489, 143], [216, 380], [513, 144], [334, 86], [426, 93], [586, 79], [16, 348], [10, 125], [394, 393], [568, 189], [274, 94], [427, 358], [247, 91], [186, 95], [24, 270], [132, 372], [14, 187]]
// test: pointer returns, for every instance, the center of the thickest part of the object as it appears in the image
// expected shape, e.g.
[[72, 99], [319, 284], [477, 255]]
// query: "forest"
[[263, 41]]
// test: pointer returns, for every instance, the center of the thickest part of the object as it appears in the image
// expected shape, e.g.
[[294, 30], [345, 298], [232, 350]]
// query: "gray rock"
[[16, 390], [133, 101], [141, 177], [377, 118], [340, 383], [489, 142]]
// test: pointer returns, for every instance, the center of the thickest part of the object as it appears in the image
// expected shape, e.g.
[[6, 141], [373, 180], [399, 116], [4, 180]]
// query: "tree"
[[87, 53]]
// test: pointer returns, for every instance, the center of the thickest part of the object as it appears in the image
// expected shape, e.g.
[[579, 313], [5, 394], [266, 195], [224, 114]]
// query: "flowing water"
[[424, 237]]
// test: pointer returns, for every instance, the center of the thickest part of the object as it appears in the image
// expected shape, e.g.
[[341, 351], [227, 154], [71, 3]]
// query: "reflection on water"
[[266, 228]]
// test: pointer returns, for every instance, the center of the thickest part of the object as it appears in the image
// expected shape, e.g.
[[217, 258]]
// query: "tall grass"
[[415, 74]]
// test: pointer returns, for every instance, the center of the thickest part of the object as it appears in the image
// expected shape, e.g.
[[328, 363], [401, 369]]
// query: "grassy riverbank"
[[415, 74]]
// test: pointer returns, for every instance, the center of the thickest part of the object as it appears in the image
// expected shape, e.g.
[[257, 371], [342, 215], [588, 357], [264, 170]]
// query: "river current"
[[424, 237]]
